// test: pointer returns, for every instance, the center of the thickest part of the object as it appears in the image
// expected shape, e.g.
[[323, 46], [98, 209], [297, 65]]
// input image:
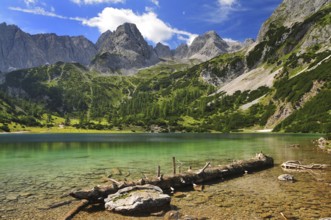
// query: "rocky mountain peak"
[[123, 49], [125, 38], [129, 29], [104, 36], [163, 51], [207, 46], [211, 34]]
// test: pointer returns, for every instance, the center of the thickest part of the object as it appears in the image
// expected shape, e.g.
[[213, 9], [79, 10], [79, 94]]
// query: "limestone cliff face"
[[65, 48], [22, 50], [18, 50]]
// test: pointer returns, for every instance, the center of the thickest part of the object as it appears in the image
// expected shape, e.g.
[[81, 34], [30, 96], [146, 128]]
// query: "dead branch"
[[298, 166], [203, 169], [76, 209]]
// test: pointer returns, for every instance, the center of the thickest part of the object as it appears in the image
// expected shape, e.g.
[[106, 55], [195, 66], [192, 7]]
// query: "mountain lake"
[[39, 170]]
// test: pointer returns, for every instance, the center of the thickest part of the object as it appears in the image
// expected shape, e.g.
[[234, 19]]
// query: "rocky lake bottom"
[[35, 177]]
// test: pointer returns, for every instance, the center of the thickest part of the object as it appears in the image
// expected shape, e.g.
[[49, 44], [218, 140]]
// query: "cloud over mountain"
[[151, 27]]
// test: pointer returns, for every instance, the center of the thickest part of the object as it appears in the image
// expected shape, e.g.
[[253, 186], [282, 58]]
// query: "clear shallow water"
[[37, 169]]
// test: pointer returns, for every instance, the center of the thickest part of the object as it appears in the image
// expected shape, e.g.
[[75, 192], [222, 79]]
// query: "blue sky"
[[168, 21]]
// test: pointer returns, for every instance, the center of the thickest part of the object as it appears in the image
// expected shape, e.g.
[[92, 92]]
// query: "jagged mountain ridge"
[[124, 49], [22, 50]]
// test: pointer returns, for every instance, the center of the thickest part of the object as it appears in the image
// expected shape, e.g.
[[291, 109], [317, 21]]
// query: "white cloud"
[[156, 2], [30, 2], [91, 2], [149, 9], [220, 10], [43, 12], [230, 40], [227, 2], [150, 26]]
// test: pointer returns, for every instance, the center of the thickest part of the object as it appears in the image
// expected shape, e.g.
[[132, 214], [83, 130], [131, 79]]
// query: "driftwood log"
[[296, 165], [259, 162]]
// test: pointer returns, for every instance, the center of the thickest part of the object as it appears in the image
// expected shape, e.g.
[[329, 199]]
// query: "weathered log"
[[260, 162], [292, 164]]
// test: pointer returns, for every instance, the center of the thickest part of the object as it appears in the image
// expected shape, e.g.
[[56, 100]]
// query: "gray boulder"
[[137, 200]]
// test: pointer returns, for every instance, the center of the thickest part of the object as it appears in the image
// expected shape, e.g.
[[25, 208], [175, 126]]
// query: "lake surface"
[[37, 170]]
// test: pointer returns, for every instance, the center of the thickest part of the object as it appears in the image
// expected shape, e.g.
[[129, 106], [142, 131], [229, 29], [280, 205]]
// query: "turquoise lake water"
[[38, 169]]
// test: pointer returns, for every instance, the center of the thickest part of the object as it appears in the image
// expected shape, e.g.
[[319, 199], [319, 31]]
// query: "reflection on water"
[[36, 170]]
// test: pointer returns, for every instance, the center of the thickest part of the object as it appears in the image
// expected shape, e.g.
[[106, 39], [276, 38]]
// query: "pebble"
[[26, 194]]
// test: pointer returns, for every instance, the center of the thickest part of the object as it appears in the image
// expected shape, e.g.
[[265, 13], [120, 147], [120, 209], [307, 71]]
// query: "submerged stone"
[[286, 177], [137, 200], [12, 197], [116, 171]]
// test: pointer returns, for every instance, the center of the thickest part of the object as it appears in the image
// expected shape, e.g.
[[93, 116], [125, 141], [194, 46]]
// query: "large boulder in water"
[[138, 200]]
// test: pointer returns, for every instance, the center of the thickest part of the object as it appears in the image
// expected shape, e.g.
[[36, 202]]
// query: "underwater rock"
[[12, 197], [137, 200], [286, 177], [175, 215], [172, 215], [116, 171]]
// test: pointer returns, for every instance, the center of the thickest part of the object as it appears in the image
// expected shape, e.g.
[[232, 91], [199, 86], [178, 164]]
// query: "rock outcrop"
[[290, 12], [22, 50]]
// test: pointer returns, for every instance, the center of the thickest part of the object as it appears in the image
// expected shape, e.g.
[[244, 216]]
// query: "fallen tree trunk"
[[259, 162]]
